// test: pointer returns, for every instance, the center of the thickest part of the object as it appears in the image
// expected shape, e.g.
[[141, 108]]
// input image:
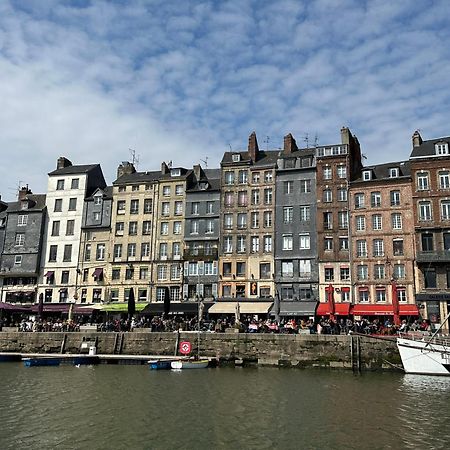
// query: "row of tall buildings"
[[299, 225]]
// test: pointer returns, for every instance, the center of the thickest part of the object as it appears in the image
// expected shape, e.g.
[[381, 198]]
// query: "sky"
[[185, 81]]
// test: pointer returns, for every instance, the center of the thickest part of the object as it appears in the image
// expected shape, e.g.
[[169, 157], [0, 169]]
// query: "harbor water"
[[132, 407]]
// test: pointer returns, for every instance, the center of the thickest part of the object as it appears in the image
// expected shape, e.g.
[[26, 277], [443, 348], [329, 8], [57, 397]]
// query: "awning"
[[122, 307], [297, 308], [340, 309], [52, 307], [49, 274], [244, 307], [98, 272], [176, 308], [13, 308], [383, 310]]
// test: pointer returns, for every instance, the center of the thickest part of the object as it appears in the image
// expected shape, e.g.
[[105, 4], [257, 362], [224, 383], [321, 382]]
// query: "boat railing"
[[426, 337]]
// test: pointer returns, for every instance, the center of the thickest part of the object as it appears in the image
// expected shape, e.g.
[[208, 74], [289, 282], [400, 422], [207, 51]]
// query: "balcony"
[[200, 253], [438, 256]]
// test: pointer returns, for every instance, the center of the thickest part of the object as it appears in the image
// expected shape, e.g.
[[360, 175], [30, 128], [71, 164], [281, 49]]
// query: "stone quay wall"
[[300, 350]]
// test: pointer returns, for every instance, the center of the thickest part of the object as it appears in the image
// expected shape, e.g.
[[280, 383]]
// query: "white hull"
[[200, 364], [421, 357]]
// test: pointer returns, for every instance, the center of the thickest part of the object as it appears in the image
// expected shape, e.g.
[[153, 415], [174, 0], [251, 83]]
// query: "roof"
[[264, 158], [138, 177], [426, 148], [37, 203], [107, 193], [298, 153], [381, 171], [73, 170]]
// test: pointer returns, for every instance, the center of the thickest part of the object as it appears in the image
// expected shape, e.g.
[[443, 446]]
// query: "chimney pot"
[[125, 168], [253, 148], [416, 139], [63, 162], [289, 144]]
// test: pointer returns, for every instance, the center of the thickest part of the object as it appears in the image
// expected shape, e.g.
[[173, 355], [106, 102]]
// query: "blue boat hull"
[[34, 362], [10, 358], [160, 365]]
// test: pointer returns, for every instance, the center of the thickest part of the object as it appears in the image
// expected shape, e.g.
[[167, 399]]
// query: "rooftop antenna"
[[169, 164], [266, 141], [134, 157], [16, 190], [306, 139], [229, 145], [316, 140], [205, 161]]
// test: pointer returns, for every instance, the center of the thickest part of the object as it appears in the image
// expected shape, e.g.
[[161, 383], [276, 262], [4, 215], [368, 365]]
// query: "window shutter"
[[201, 265]]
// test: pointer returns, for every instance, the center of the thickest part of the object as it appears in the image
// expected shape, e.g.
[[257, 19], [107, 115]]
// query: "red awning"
[[340, 309], [49, 274], [383, 310], [98, 272]]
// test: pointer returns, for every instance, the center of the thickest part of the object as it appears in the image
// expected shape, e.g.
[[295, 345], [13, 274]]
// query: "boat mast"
[[437, 331]]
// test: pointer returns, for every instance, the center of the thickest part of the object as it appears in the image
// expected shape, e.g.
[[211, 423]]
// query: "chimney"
[[416, 139], [198, 172], [23, 192], [164, 168], [345, 135], [126, 168], [289, 144], [63, 162], [253, 148]]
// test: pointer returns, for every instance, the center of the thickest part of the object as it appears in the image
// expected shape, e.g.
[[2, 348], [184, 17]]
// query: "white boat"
[[190, 364], [426, 356]]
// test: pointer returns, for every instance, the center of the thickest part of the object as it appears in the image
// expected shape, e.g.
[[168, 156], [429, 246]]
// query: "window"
[[135, 188], [18, 260], [175, 272], [193, 269], [375, 199], [328, 220], [344, 274], [228, 221], [122, 189], [72, 204], [148, 205], [268, 196], [255, 219], [228, 244], [134, 206], [100, 252], [131, 250], [329, 274], [361, 248], [164, 230], [328, 244], [359, 201], [445, 209], [163, 250], [121, 207], [362, 272], [343, 220], [367, 175], [342, 171], [240, 245], [160, 294], [55, 227], [446, 238], [327, 195], [441, 148], [165, 208], [287, 292], [397, 245], [268, 176], [97, 216], [98, 200], [287, 269], [401, 294], [226, 269], [85, 275], [305, 186], [255, 197], [427, 242], [267, 244], [210, 268], [360, 223], [242, 177], [177, 227], [305, 268], [166, 191], [176, 249], [423, 182], [378, 247], [209, 207], [22, 220], [132, 228], [162, 272], [179, 189], [264, 271], [178, 208], [288, 214], [67, 252], [117, 251], [305, 241], [342, 194], [64, 277], [377, 222], [194, 226], [60, 185], [87, 252], [399, 271], [380, 293], [267, 219], [304, 213], [287, 241], [242, 220], [288, 187], [75, 183], [345, 294], [70, 228], [240, 269], [395, 198], [53, 251], [430, 278], [242, 198], [145, 249], [115, 274], [229, 177], [255, 244], [425, 213], [228, 199], [240, 290], [444, 179], [256, 177], [396, 220], [327, 173], [58, 205], [343, 243], [393, 172], [363, 295], [20, 239], [146, 227], [378, 271]]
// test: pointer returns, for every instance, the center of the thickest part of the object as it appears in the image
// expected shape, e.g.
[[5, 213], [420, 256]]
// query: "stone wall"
[[300, 351]]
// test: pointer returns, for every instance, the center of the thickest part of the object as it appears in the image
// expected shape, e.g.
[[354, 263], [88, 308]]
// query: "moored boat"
[[160, 364], [32, 362], [190, 364]]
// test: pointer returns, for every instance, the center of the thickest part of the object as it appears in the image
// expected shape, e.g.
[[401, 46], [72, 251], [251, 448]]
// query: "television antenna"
[[316, 140], [134, 157], [306, 139], [205, 161], [266, 141]]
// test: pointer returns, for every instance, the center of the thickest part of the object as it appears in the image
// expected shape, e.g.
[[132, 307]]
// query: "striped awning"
[[244, 307]]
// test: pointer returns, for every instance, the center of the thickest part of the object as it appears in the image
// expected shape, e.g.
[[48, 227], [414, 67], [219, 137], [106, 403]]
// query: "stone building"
[[296, 265], [68, 187], [336, 166], [132, 238], [430, 172], [201, 234], [382, 241], [23, 226], [246, 261]]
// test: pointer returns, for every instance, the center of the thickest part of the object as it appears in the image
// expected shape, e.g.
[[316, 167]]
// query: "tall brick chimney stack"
[[23, 192], [289, 144], [416, 139], [164, 168], [253, 148], [125, 168], [63, 162], [198, 171]]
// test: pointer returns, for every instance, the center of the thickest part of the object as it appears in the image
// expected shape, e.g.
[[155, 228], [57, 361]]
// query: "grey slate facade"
[[201, 234], [296, 264]]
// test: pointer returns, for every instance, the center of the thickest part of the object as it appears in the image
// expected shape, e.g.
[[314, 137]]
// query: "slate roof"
[[298, 153], [264, 158], [38, 203], [427, 148], [107, 193], [381, 171], [72, 170], [138, 177]]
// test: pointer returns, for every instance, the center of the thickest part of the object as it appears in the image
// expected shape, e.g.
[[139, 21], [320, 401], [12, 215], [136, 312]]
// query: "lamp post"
[[330, 297]]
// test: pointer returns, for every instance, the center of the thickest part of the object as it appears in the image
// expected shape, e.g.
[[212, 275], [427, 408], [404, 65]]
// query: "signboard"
[[185, 347]]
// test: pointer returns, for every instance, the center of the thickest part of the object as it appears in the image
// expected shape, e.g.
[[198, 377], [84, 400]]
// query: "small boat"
[[32, 362], [10, 358], [429, 356], [160, 364], [85, 360], [190, 364]]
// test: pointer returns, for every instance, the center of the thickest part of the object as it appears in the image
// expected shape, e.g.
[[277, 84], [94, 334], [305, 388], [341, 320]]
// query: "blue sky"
[[182, 80]]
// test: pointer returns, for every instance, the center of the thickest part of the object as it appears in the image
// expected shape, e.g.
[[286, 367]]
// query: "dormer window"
[[97, 200], [203, 186], [367, 175], [24, 204], [441, 148], [393, 172], [175, 172], [236, 157]]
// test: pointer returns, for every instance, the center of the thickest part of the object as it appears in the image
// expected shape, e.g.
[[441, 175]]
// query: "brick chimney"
[[63, 162], [416, 139], [23, 192], [253, 148], [126, 168], [198, 172], [164, 168], [289, 144], [345, 135]]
